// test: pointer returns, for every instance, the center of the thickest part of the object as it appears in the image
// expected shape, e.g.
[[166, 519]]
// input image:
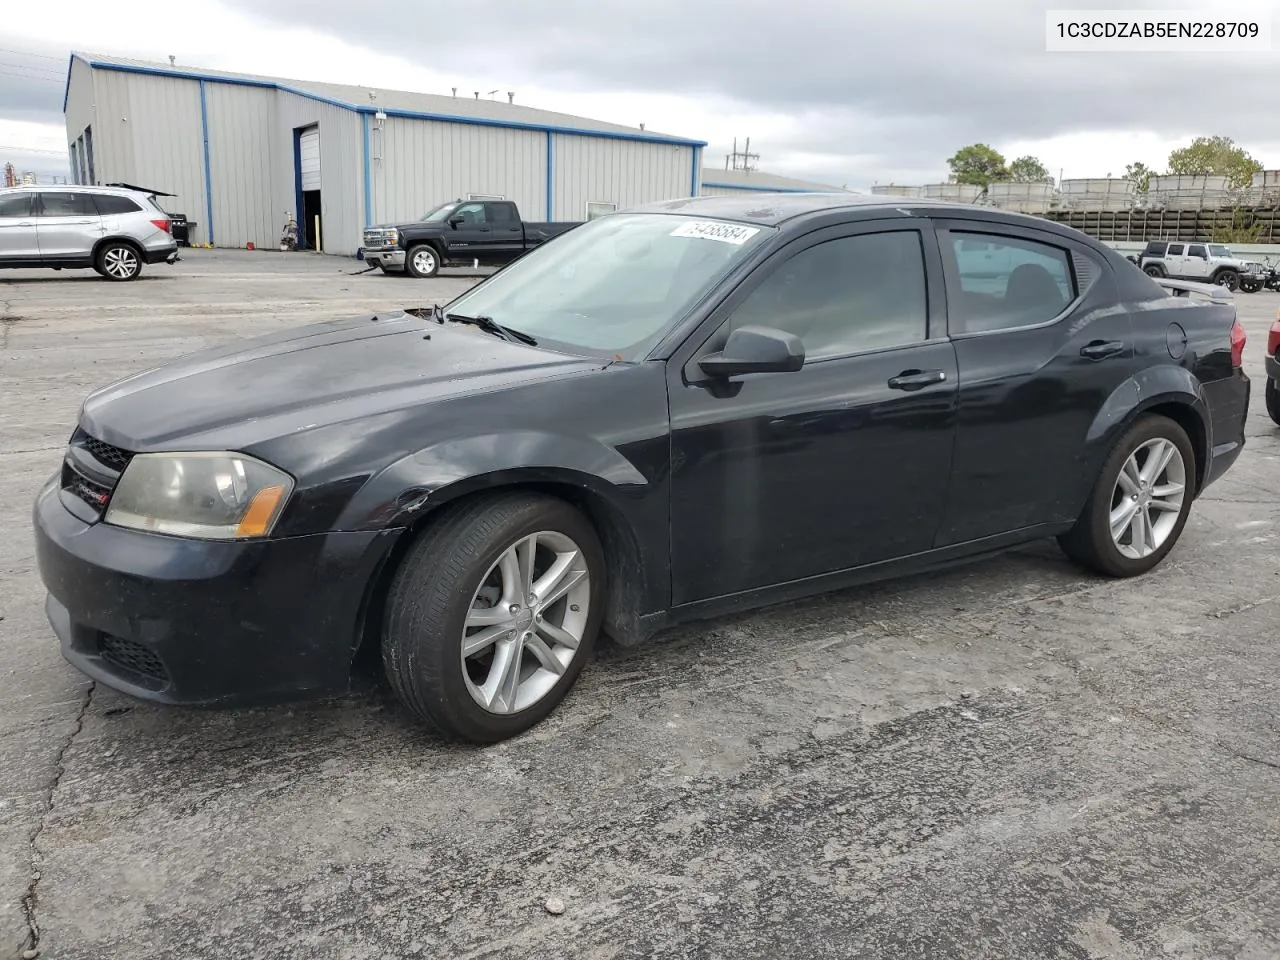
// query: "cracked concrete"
[[1007, 760]]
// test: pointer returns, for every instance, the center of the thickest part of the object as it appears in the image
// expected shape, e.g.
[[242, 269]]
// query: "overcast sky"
[[845, 92]]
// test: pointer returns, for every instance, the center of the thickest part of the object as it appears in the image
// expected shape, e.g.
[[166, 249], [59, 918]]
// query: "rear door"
[[67, 225], [17, 227], [1038, 353], [507, 238]]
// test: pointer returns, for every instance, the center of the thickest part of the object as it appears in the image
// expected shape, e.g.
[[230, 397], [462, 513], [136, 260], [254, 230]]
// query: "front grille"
[[92, 469], [132, 657], [380, 238]]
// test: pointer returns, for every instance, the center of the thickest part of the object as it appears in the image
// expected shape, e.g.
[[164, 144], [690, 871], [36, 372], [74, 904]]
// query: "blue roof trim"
[[407, 114], [66, 91], [753, 188]]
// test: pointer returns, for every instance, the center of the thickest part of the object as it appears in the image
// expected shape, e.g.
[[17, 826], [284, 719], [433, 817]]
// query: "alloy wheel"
[[424, 261], [1148, 498], [120, 262], [526, 622]]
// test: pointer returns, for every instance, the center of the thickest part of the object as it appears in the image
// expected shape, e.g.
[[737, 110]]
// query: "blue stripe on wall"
[[550, 176], [208, 167]]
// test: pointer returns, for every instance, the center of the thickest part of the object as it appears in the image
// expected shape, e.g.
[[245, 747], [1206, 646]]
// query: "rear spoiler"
[[133, 186], [1182, 288]]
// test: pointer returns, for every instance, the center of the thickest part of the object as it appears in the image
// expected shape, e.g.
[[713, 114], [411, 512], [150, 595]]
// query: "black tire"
[[1227, 278], [1153, 270], [422, 261], [1272, 394], [118, 261], [1250, 286], [1089, 542], [432, 593]]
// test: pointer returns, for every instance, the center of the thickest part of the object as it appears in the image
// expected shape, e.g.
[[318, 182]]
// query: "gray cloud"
[[897, 86], [32, 80]]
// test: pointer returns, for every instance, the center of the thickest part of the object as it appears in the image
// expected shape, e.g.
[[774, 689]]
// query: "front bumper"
[[210, 623], [389, 258]]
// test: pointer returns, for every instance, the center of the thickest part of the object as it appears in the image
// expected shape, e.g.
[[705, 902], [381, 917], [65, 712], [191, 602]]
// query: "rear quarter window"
[[109, 204]]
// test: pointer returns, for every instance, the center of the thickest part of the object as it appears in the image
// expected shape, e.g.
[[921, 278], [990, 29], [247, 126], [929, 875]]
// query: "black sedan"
[[691, 408]]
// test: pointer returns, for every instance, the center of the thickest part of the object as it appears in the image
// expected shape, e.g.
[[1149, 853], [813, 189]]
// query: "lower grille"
[[133, 658], [94, 494]]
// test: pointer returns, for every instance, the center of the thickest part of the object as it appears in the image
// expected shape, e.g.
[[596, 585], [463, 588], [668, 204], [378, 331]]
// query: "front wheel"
[[1250, 286], [422, 261], [1139, 503], [118, 262], [492, 615], [1229, 279], [1272, 394]]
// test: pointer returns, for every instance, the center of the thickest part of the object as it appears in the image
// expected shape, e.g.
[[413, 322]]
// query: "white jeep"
[[1204, 262]]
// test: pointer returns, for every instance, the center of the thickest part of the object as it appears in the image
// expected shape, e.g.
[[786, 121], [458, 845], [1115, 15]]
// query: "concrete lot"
[[1009, 760]]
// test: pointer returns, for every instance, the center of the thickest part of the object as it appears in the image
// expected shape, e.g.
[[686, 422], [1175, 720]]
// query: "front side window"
[[1007, 282], [846, 296], [472, 214], [1197, 250], [66, 205], [614, 286]]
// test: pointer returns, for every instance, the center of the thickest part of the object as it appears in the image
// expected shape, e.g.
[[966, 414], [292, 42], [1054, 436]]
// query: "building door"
[[310, 226]]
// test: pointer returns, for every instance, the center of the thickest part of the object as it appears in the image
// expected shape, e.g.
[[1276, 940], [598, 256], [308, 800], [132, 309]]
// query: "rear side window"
[[16, 206], [1007, 282], [66, 205], [109, 204]]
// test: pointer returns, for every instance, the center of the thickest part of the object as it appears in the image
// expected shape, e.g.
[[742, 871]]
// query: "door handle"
[[1101, 348], [915, 379]]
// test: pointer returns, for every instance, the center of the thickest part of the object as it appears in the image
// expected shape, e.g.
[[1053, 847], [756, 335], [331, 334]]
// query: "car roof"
[[775, 209], [65, 187]]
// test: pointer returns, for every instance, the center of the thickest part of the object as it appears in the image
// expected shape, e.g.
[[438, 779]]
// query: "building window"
[[88, 154], [484, 196], [75, 163], [598, 208]]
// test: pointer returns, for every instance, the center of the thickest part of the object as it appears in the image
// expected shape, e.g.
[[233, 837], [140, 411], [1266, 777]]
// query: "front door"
[[779, 477], [67, 224], [1176, 260], [1196, 264], [469, 232], [1040, 348], [17, 227]]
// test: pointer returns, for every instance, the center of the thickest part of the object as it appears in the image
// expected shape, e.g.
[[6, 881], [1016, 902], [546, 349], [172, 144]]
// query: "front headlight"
[[214, 496]]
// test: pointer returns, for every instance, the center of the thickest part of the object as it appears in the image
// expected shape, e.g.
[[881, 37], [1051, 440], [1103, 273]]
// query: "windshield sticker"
[[711, 230]]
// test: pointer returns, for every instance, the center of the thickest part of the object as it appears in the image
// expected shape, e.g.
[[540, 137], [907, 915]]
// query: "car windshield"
[[614, 285], [439, 212], [1218, 250]]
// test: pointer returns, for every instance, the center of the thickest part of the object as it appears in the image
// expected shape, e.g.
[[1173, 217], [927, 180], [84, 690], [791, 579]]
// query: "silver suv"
[[111, 229]]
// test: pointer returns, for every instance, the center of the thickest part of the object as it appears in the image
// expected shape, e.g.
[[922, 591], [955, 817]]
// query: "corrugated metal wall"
[[148, 132], [80, 111], [243, 144], [418, 164], [705, 191], [625, 172], [341, 169]]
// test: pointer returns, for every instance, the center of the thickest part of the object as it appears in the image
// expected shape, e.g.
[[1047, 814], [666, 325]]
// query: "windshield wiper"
[[492, 326]]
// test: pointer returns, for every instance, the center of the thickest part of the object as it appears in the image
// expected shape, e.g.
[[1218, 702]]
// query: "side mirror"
[[755, 350], [455, 221]]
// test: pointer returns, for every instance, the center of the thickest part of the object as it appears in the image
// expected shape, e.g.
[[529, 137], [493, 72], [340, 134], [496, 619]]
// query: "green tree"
[[1029, 170], [977, 164], [1140, 174], [1215, 156]]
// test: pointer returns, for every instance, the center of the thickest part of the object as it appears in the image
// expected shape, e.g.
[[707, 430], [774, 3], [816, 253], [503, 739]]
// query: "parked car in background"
[[693, 408], [111, 230], [1203, 262], [488, 232], [1272, 365]]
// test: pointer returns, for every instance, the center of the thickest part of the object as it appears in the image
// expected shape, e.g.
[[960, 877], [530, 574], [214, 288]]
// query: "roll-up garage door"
[[309, 158]]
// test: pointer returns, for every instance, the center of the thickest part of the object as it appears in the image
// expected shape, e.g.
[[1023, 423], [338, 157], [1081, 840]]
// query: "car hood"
[[416, 225], [236, 396]]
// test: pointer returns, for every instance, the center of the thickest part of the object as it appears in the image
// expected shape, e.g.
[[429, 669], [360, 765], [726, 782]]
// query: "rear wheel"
[[422, 261], [1153, 270], [118, 262], [1272, 394], [492, 615], [1139, 503]]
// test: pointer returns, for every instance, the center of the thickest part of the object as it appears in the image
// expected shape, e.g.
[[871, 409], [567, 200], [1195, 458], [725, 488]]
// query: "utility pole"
[[741, 159]]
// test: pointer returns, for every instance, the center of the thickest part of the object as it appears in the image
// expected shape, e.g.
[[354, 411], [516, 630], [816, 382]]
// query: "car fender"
[[1155, 386]]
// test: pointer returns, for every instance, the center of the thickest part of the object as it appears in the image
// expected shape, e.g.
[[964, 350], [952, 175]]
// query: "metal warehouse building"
[[240, 152], [727, 183]]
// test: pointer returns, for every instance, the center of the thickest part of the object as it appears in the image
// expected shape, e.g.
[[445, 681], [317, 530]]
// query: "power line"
[[51, 153], [38, 56], [31, 76]]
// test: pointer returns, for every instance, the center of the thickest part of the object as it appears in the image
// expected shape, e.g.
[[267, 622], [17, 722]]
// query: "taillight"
[[1273, 337], [1237, 344], [161, 225]]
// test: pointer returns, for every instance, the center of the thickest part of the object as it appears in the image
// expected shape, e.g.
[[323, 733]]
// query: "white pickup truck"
[[1211, 262]]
